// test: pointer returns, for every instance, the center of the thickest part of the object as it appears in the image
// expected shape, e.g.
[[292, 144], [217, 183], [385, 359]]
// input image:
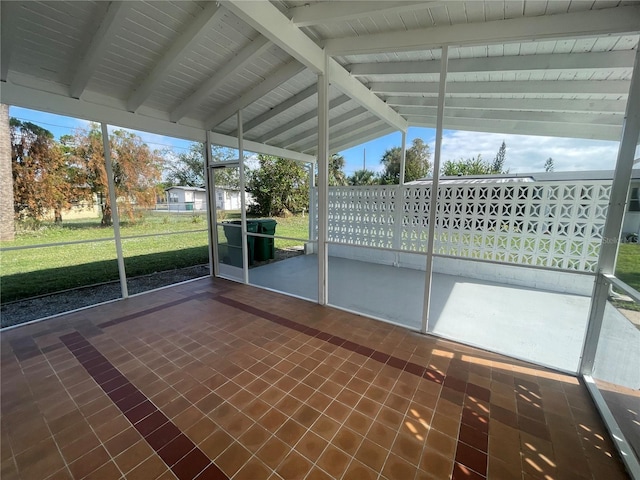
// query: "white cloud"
[[528, 153]]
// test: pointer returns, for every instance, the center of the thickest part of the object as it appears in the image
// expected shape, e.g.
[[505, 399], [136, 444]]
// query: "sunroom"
[[409, 303]]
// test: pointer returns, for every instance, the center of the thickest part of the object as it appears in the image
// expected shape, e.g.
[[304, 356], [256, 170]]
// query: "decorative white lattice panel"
[[362, 215], [550, 224]]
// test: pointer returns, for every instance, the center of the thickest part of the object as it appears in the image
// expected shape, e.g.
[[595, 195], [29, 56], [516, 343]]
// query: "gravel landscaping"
[[44, 306]]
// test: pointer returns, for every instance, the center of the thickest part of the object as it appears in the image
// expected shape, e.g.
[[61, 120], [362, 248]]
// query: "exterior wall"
[[188, 200], [7, 227]]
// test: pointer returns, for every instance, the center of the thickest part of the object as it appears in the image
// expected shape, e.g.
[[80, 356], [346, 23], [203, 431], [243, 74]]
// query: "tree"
[[187, 170], [363, 177], [337, 177], [43, 182], [278, 186], [417, 163], [469, 166], [498, 162], [548, 165], [136, 169]]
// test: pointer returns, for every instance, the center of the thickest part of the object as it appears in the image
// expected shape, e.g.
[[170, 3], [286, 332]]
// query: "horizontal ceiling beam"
[[273, 81], [577, 24], [359, 137], [271, 23], [191, 36], [514, 63], [595, 132], [253, 50], [333, 122], [278, 109], [546, 117], [330, 12], [12, 94], [568, 87], [299, 120], [249, 146], [99, 45], [363, 137], [530, 104], [354, 129]]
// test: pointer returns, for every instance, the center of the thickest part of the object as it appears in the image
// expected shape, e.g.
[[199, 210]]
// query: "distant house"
[[631, 223], [229, 198], [186, 199]]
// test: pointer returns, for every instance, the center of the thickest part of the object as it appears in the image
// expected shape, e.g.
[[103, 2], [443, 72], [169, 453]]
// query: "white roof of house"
[[189, 189], [584, 175], [553, 68]]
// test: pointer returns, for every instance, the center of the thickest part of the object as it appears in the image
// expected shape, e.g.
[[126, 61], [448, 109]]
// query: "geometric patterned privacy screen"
[[550, 224]]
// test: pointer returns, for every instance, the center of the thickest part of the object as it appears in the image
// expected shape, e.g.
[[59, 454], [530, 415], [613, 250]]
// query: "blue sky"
[[524, 153]]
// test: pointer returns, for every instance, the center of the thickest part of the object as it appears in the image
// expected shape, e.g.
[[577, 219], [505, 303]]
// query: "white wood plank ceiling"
[[552, 67]]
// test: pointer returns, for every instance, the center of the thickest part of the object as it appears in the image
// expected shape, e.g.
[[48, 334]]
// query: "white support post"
[[323, 184], [433, 206], [312, 207], [398, 213], [613, 224], [212, 217], [403, 157], [243, 210], [114, 210]]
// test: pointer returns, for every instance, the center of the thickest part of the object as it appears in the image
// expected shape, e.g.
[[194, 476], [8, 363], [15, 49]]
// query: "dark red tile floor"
[[215, 380]]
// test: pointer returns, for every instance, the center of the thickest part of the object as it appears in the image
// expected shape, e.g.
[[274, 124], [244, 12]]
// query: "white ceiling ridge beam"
[[191, 36], [343, 81], [531, 104], [271, 23], [100, 43], [617, 87], [329, 12], [521, 116], [305, 117], [361, 138], [61, 104], [514, 63], [278, 109], [273, 81], [267, 19], [253, 50], [595, 132], [354, 129], [617, 20], [313, 132]]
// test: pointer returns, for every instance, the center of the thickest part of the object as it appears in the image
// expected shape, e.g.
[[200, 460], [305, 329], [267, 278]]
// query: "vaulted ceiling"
[[531, 67]]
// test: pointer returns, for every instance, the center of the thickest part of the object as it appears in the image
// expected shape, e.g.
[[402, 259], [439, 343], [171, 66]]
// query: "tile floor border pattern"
[[179, 453], [471, 456], [26, 348]]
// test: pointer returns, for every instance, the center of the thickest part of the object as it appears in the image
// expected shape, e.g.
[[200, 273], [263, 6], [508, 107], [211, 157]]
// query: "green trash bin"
[[188, 207], [265, 247], [234, 242]]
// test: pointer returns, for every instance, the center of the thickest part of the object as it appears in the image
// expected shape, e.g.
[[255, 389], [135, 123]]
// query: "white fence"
[[549, 224]]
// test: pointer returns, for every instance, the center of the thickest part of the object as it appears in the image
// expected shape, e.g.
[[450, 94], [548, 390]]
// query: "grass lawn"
[[628, 270], [30, 272]]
